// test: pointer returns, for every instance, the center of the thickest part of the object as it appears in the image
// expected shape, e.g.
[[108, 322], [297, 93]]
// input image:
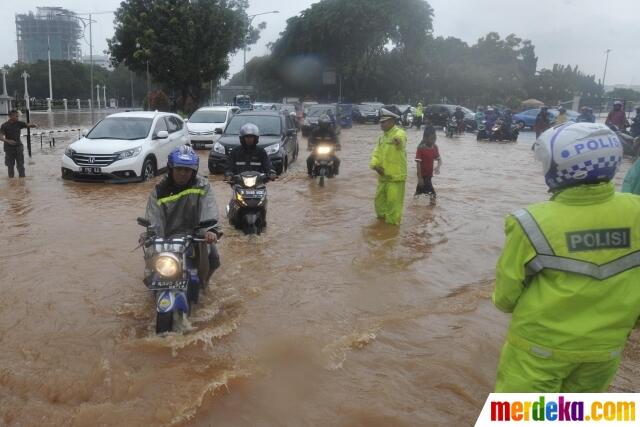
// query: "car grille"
[[201, 133], [94, 160]]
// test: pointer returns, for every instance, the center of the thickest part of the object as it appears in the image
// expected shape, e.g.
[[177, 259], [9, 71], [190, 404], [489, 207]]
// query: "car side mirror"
[[143, 222], [291, 132], [218, 131], [163, 134], [84, 132], [186, 120]]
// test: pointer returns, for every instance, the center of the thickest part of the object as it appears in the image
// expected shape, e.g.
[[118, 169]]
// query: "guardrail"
[[51, 135]]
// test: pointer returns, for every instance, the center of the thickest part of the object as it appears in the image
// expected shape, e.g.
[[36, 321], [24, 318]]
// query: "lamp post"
[[244, 60], [606, 60]]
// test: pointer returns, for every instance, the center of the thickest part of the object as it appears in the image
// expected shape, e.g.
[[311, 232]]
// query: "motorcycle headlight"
[[272, 149], [128, 153], [218, 148], [249, 181], [167, 265], [324, 149], [69, 152]]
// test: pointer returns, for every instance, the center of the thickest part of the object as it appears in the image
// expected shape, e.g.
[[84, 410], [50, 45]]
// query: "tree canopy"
[[185, 43]]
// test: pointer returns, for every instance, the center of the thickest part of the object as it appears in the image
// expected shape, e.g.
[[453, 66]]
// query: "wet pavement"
[[330, 318]]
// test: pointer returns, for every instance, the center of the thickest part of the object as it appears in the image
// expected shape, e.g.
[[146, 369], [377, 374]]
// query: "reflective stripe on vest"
[[546, 257], [180, 195]]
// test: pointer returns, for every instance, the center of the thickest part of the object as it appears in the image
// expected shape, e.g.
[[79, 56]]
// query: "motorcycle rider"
[[323, 132], [479, 116], [585, 116], [182, 200], [568, 271], [248, 156], [491, 116], [459, 116], [617, 117]]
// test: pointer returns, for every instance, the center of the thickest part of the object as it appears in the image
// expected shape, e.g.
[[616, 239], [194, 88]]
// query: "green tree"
[[185, 43]]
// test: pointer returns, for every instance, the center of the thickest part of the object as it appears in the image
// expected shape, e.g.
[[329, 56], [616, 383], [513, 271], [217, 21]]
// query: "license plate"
[[91, 170], [254, 193], [171, 284]]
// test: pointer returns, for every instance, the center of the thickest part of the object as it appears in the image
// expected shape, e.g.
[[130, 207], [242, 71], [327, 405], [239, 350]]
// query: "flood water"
[[330, 318]]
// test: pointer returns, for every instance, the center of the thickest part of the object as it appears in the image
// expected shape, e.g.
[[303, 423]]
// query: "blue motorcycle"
[[176, 270]]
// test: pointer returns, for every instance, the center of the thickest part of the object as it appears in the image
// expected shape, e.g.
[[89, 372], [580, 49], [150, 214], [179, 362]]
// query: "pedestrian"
[[562, 116], [543, 121], [569, 270], [418, 119], [585, 116], [13, 148], [389, 160], [426, 154]]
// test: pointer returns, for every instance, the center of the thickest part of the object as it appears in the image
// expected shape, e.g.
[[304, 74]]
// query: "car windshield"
[[318, 111], [268, 125], [204, 116], [121, 128], [367, 108]]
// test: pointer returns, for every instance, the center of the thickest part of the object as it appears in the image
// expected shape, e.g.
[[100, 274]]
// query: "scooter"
[[177, 268], [452, 127], [247, 209], [323, 161]]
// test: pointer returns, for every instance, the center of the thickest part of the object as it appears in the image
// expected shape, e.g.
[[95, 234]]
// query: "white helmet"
[[578, 153]]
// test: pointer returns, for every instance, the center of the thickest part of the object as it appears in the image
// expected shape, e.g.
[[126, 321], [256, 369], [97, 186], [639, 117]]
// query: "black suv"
[[277, 136], [435, 113]]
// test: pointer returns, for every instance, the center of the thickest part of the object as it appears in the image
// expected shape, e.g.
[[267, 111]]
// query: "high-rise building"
[[52, 28]]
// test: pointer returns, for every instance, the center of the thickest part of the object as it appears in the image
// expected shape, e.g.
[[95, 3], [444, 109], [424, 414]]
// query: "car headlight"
[[69, 152], [272, 149], [324, 149], [218, 148], [167, 265], [128, 153]]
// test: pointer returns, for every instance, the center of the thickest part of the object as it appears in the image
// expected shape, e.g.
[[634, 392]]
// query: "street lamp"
[[146, 55], [84, 24], [244, 61]]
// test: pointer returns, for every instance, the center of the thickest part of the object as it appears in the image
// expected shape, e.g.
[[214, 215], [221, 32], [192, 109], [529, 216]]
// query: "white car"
[[204, 121], [131, 146]]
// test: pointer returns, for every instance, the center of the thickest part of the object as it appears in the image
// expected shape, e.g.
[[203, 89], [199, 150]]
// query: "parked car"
[[527, 118], [131, 146], [313, 114], [363, 113], [277, 136], [433, 112], [204, 121]]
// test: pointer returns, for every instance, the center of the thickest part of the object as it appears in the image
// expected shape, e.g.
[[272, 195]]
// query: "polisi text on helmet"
[[592, 144]]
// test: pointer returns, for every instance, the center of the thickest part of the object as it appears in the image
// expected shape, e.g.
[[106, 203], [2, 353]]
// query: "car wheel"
[[148, 169]]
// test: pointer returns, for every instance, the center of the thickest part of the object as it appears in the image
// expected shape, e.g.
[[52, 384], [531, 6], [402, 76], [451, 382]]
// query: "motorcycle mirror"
[[143, 222]]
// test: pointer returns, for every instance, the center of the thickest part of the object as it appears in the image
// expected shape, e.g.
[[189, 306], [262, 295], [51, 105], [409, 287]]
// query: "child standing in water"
[[426, 154]]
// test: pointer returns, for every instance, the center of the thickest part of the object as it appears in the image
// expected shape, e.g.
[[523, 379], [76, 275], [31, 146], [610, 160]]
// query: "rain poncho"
[[569, 272], [419, 110], [389, 200], [631, 183]]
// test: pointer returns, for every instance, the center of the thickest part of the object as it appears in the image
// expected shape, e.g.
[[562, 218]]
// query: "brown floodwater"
[[330, 318]]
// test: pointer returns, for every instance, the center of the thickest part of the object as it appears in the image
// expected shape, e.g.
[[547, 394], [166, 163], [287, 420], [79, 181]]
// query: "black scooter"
[[247, 210]]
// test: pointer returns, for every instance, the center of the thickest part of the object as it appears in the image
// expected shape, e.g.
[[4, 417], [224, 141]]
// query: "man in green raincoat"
[[418, 120], [389, 160]]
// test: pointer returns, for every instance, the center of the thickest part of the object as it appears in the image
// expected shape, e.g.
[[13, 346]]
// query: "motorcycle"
[[247, 209], [323, 158], [501, 131], [630, 145], [483, 133], [451, 127], [177, 268], [407, 119]]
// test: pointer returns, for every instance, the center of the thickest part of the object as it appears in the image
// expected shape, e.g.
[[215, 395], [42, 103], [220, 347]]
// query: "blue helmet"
[[578, 153], [183, 157]]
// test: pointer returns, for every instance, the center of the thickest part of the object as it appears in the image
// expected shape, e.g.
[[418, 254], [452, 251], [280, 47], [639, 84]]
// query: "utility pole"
[[604, 75], [50, 85], [25, 76], [244, 60]]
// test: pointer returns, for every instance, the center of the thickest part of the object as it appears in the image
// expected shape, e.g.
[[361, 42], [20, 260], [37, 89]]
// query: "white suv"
[[204, 121], [131, 146]]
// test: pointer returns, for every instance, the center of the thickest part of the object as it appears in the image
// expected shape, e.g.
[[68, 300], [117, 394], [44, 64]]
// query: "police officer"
[[570, 269], [13, 148], [389, 160]]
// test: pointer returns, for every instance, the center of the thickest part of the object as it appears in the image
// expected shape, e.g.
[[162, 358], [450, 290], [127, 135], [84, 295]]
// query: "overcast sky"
[[563, 31]]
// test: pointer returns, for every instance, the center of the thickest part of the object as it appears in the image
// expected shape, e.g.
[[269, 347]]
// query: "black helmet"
[[249, 129], [324, 120]]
